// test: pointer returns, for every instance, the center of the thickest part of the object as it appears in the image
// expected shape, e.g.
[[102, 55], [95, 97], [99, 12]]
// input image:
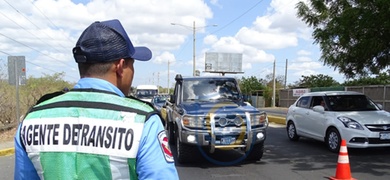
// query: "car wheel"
[[292, 131], [333, 140]]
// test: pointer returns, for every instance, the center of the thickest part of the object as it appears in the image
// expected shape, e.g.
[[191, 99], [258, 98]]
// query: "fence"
[[378, 93]]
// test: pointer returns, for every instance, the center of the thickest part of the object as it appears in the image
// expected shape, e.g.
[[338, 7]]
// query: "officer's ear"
[[119, 66]]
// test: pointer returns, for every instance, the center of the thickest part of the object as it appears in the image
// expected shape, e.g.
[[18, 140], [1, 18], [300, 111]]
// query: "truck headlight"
[[193, 121], [350, 123], [259, 119]]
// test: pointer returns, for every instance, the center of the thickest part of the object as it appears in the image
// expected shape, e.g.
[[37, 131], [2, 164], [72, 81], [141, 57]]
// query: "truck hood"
[[368, 117], [203, 108]]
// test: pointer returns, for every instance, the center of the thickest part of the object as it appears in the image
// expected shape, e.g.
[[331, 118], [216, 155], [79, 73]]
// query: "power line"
[[48, 19], [36, 51], [5, 53], [36, 64], [235, 19], [31, 22], [28, 31]]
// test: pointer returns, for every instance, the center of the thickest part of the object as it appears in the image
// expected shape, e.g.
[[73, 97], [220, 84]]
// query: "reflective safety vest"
[[85, 135]]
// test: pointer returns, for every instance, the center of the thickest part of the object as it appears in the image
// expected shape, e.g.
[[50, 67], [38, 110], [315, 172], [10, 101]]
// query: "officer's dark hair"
[[96, 69]]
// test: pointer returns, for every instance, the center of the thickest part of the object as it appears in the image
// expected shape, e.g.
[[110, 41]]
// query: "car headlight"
[[259, 119], [193, 121], [350, 123]]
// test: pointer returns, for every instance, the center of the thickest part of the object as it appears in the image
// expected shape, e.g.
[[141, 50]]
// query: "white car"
[[335, 115]]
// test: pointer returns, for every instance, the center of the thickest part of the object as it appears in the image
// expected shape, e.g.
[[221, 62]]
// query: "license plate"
[[227, 140], [384, 135]]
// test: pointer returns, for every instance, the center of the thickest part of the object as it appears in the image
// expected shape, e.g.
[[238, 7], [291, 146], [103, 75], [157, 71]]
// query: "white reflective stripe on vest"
[[116, 138], [36, 160], [119, 168]]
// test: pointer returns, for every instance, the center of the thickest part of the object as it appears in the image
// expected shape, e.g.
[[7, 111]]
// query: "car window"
[[303, 102], [351, 103], [318, 101]]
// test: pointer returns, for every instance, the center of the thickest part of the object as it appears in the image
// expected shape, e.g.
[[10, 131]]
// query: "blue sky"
[[264, 31]]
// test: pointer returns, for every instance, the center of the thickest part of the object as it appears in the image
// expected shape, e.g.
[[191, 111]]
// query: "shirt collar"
[[96, 83]]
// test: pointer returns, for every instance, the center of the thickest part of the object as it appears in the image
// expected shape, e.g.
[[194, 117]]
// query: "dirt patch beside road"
[[7, 135]]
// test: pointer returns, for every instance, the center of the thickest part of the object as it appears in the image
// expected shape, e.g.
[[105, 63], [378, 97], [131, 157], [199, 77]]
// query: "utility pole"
[[194, 28], [285, 75], [168, 79], [193, 50], [274, 86]]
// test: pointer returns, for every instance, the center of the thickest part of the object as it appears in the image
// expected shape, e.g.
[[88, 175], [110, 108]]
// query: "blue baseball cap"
[[107, 41]]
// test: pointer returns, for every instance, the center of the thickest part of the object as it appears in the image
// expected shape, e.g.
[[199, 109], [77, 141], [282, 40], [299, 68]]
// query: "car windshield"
[[146, 93], [351, 103], [210, 89]]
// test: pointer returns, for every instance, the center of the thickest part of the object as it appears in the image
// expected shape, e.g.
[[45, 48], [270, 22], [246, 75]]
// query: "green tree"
[[36, 87], [249, 85], [318, 80], [381, 79], [353, 34]]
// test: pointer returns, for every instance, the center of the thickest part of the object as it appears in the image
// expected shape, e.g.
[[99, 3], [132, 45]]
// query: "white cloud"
[[210, 39], [306, 72], [304, 65], [164, 57], [52, 28], [273, 39]]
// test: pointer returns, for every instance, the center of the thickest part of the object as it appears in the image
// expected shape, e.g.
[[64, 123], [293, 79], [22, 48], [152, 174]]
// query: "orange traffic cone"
[[343, 171]]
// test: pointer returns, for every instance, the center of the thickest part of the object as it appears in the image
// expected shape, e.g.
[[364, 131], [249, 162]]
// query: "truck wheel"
[[184, 152], [171, 133], [256, 153]]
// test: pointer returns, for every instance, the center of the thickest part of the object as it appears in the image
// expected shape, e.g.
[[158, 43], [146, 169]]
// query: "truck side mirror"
[[172, 98]]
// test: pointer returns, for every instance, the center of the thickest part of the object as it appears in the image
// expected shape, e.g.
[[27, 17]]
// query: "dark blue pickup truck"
[[209, 113]]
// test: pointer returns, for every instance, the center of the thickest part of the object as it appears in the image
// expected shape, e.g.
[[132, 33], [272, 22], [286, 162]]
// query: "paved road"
[[7, 167], [283, 159]]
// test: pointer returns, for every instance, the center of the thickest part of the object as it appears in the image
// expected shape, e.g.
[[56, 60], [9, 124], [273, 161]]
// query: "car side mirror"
[[380, 106], [319, 109]]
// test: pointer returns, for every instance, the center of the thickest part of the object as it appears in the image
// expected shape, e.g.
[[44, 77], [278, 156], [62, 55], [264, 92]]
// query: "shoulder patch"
[[163, 140]]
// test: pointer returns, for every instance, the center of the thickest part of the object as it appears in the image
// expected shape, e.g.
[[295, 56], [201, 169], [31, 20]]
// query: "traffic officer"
[[94, 131]]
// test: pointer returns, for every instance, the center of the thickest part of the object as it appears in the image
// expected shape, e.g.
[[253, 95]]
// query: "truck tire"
[[256, 153], [171, 133], [185, 153]]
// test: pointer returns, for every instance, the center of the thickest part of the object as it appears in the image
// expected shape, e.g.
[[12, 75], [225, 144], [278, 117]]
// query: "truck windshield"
[[210, 89]]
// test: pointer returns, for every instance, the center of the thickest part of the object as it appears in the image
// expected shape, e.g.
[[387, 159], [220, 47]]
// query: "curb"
[[277, 119], [7, 152]]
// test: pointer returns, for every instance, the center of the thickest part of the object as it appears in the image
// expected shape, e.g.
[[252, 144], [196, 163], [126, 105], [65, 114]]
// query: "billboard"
[[223, 62]]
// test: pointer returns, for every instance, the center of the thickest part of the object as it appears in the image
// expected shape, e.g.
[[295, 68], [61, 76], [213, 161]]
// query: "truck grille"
[[223, 121]]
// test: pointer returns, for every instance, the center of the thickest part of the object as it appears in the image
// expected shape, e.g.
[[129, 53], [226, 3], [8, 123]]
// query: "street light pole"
[[193, 43], [193, 50]]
